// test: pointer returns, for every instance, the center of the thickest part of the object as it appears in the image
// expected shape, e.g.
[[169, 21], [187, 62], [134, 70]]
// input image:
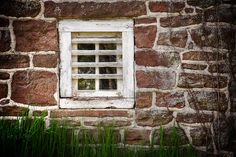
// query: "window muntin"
[[91, 60], [96, 63]]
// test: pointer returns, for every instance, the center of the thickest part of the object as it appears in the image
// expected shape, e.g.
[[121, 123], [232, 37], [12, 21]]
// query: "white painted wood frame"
[[109, 99]]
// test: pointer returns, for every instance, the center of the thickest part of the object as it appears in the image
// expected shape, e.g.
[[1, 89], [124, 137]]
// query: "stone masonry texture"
[[184, 67]]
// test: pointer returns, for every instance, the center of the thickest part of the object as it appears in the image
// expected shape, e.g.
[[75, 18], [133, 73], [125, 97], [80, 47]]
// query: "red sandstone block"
[[35, 35], [145, 36], [13, 111], [4, 76], [145, 20], [134, 136], [5, 40], [94, 9], [170, 99], [34, 87], [170, 7], [153, 118], [159, 79], [143, 99], [47, 61], [203, 56], [14, 61], [3, 91], [89, 113]]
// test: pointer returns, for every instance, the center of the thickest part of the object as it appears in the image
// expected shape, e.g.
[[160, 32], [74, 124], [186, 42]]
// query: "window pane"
[[87, 70], [86, 58], [108, 84], [111, 58], [107, 70], [86, 84], [86, 46], [107, 46]]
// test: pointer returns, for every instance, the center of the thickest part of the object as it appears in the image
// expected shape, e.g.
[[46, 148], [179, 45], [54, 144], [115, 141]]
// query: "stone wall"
[[185, 66]]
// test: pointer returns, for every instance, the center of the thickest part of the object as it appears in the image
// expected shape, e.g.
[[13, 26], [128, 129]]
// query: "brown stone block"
[[193, 66], [3, 91], [170, 7], [111, 123], [214, 37], [145, 36], [5, 40], [94, 9], [170, 99], [201, 135], [212, 101], [168, 136], [35, 35], [89, 113], [181, 20], [159, 80], [14, 61], [203, 56], [173, 38], [153, 58], [4, 76], [34, 87], [143, 100], [194, 117], [220, 14], [47, 61], [145, 20], [191, 80], [29, 8], [153, 118], [13, 111], [134, 136], [219, 68], [4, 22], [40, 113]]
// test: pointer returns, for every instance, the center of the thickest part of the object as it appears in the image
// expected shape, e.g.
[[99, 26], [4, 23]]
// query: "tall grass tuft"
[[27, 137]]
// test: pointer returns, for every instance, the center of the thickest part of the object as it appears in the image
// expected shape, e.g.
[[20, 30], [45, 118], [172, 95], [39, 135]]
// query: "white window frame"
[[124, 26]]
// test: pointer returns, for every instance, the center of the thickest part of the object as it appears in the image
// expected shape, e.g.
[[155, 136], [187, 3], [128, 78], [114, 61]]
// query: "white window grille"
[[96, 64]]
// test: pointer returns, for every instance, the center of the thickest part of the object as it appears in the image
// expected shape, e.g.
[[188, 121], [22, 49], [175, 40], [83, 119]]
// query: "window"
[[96, 69]]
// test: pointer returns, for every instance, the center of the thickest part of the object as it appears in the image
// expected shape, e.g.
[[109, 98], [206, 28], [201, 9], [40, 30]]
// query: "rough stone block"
[[35, 35], [173, 38], [3, 91], [5, 40], [94, 9], [153, 58], [145, 36], [170, 7], [192, 118], [143, 100], [88, 113], [153, 118], [192, 80], [46, 61], [34, 87], [29, 8], [212, 101], [159, 80], [135, 136], [168, 136], [13, 111], [14, 61], [170, 99], [181, 20], [203, 56]]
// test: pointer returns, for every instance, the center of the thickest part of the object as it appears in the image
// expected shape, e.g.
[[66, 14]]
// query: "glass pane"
[[107, 58], [107, 46], [86, 46], [107, 70], [86, 58], [86, 84], [108, 84], [87, 70]]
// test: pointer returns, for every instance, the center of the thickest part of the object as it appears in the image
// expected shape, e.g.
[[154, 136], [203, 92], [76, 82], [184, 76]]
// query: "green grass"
[[30, 138]]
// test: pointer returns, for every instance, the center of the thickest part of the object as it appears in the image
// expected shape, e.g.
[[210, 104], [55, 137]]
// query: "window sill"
[[120, 103]]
